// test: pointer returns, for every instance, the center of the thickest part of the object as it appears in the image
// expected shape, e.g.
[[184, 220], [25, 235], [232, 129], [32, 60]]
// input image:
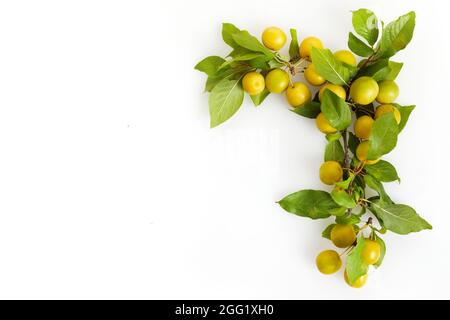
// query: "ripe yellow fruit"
[[298, 94], [364, 90], [359, 283], [274, 38], [307, 44], [343, 235], [361, 153], [346, 56], [338, 90], [388, 91], [331, 172], [386, 108], [328, 262], [313, 77], [277, 81], [363, 127], [371, 251], [253, 83], [324, 125]]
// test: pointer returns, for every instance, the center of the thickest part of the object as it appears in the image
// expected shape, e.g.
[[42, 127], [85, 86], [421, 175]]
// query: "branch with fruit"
[[354, 95]]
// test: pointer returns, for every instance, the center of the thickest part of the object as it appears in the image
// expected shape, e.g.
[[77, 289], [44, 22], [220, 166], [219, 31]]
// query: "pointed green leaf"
[[327, 232], [405, 112], [210, 65], [399, 218], [294, 52], [396, 35], [246, 40], [378, 71], [365, 24], [395, 67], [358, 47], [336, 110], [314, 204], [342, 198], [376, 185], [383, 137], [330, 68], [259, 98], [382, 171], [309, 110], [225, 99], [356, 267], [228, 30]]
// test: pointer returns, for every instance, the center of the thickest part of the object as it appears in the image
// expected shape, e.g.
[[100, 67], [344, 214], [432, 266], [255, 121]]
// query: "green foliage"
[[356, 267], [383, 137], [383, 171], [399, 218], [336, 110], [330, 68], [348, 200], [365, 24], [309, 110], [225, 99], [314, 204]]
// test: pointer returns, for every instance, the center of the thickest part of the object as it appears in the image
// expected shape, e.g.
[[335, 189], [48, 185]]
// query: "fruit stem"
[[346, 155]]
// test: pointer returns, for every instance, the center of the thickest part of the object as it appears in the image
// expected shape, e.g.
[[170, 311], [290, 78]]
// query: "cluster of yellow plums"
[[363, 91], [344, 236]]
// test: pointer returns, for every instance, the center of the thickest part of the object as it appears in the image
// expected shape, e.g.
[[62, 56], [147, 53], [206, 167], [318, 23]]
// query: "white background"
[[113, 186]]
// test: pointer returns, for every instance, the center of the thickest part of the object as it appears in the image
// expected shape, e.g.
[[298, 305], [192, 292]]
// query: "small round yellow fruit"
[[253, 83], [388, 91], [313, 77], [359, 283], [324, 125], [307, 45], [371, 252], [363, 127], [277, 81], [331, 172], [274, 38], [386, 108], [346, 57], [343, 235], [298, 94], [338, 90], [361, 153], [328, 262], [364, 90]]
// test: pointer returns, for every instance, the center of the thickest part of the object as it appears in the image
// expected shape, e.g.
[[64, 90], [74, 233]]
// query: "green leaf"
[[356, 267], [395, 67], [334, 151], [336, 110], [365, 110], [210, 65], [382, 251], [358, 47], [378, 71], [399, 218], [225, 99], [260, 63], [309, 110], [376, 185], [227, 73], [228, 30], [396, 35], [246, 40], [345, 183], [383, 137], [314, 204], [330, 68], [294, 52], [365, 24], [327, 232], [353, 142], [259, 98], [342, 198], [405, 112], [382, 171], [333, 136], [348, 219]]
